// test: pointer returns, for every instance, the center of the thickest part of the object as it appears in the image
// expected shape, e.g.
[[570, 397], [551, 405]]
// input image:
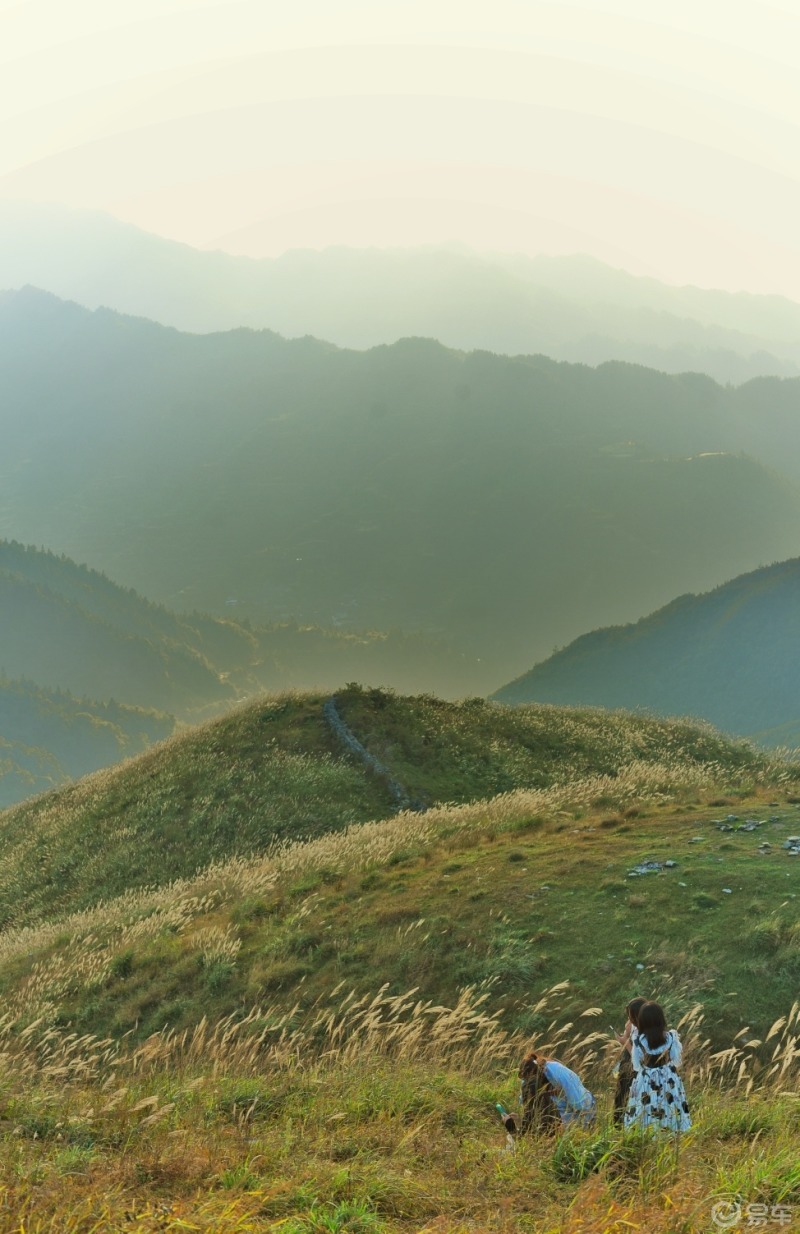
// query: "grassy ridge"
[[272, 770], [444, 751], [235, 786]]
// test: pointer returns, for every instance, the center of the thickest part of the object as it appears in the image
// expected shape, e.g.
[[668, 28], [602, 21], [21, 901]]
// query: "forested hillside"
[[731, 656], [47, 737], [85, 665]]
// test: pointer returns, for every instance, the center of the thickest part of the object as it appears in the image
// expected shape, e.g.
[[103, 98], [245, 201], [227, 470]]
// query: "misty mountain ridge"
[[572, 308], [48, 737], [90, 672], [730, 656], [406, 488]]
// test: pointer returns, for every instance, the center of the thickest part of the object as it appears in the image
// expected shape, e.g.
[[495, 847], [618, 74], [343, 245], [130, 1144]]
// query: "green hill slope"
[[274, 770], [572, 308], [730, 656], [409, 487], [527, 889]]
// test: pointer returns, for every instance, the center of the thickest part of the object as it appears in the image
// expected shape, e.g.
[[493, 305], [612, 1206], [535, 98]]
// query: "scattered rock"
[[727, 891], [697, 840], [651, 867], [792, 846]]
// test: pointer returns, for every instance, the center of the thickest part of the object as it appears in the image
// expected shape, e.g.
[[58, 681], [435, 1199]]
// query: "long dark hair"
[[633, 1008], [532, 1064], [652, 1024]]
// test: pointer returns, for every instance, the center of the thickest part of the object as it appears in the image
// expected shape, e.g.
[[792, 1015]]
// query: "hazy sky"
[[661, 135]]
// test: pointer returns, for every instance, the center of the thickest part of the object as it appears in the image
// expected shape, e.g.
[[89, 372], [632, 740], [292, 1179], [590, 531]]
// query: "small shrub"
[[250, 909], [218, 974], [347, 1217], [122, 964], [239, 1178], [73, 1160]]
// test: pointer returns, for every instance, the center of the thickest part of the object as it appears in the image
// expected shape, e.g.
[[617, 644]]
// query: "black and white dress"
[[657, 1097]]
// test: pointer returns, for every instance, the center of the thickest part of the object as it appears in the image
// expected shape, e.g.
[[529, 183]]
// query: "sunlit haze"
[[661, 138]]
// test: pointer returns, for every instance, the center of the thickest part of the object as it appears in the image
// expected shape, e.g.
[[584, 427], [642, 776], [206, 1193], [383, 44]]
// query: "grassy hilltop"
[[283, 1041], [273, 771], [256, 834]]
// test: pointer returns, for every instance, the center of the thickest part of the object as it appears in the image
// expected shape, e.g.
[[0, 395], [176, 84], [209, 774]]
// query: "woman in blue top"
[[552, 1095]]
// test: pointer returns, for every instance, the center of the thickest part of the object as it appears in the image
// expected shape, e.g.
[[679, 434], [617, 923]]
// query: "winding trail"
[[399, 793]]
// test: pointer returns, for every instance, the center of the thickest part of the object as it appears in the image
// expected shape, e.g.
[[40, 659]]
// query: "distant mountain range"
[[572, 308], [731, 656], [500, 505]]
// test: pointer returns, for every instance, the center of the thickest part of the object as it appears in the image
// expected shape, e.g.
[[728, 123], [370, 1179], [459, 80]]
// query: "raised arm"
[[675, 1048]]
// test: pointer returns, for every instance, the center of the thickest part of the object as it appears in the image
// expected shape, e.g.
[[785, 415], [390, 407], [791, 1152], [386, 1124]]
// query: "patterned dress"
[[657, 1097]]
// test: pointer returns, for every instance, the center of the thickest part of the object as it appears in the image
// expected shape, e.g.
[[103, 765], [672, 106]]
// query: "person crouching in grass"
[[551, 1095]]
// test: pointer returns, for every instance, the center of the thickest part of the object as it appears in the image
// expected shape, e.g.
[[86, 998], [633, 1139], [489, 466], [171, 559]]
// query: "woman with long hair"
[[552, 1095], [657, 1097], [624, 1068]]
